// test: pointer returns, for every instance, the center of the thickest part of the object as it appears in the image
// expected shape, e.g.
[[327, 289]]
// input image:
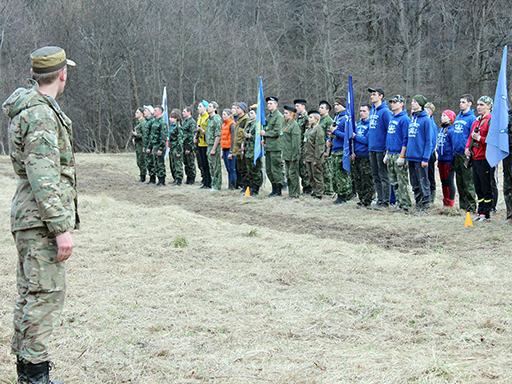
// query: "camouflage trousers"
[[341, 180], [327, 176], [507, 184], [141, 158], [399, 180], [253, 174], [159, 162], [303, 169], [189, 161], [241, 172], [292, 178], [215, 167], [176, 165], [316, 178], [362, 175], [465, 185], [150, 164], [41, 283], [274, 167]]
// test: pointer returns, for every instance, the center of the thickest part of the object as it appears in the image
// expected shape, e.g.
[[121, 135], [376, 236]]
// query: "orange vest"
[[225, 134]]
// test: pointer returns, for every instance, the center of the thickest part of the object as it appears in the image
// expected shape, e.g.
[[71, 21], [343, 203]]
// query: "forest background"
[[127, 50]]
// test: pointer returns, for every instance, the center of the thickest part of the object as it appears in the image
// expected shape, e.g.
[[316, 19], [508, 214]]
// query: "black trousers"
[[202, 160], [482, 175]]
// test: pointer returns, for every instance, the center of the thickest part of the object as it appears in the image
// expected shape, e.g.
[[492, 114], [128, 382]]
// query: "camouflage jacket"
[[41, 150], [241, 124], [250, 143], [176, 138], [275, 123], [158, 136], [302, 121], [147, 132], [213, 129], [189, 131], [140, 126]]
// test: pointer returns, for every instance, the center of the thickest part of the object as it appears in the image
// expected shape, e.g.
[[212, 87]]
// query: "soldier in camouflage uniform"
[[137, 134], [326, 122], [146, 143], [212, 138], [254, 179], [302, 121], [175, 139], [291, 150], [314, 149], [157, 144], [272, 141], [507, 172], [189, 156], [43, 210], [361, 167], [242, 122]]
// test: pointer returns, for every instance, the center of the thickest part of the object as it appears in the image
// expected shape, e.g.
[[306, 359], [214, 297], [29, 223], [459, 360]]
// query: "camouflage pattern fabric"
[[341, 179], [176, 138], [326, 123], [141, 158], [215, 167], [41, 283], [302, 121], [253, 175], [158, 139], [189, 131], [399, 179], [465, 186], [362, 174]]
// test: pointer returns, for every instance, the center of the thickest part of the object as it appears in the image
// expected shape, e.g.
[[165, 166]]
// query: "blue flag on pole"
[[260, 122], [497, 137], [165, 114], [350, 126]]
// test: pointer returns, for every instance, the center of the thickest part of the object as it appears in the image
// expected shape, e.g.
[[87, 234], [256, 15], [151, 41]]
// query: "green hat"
[[421, 100], [49, 59]]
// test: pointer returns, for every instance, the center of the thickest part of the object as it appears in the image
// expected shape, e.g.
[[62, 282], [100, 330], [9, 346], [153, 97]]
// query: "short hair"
[[176, 115], [189, 109], [367, 106], [469, 97], [46, 78], [159, 107], [327, 105], [228, 111]]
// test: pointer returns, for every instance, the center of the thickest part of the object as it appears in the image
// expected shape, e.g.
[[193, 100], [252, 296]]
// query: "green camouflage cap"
[[49, 59]]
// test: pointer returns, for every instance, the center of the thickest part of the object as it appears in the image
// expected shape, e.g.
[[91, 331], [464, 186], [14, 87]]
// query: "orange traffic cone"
[[468, 222], [248, 194]]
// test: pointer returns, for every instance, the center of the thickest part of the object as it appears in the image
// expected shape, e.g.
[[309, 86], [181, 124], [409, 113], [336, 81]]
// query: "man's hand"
[[65, 246], [187, 152], [159, 153], [424, 164], [262, 132], [476, 136]]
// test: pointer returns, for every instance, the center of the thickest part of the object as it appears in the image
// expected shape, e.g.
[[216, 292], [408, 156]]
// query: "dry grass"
[[181, 285]]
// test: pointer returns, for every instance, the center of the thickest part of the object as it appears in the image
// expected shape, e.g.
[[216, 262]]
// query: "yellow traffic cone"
[[468, 222], [248, 194]]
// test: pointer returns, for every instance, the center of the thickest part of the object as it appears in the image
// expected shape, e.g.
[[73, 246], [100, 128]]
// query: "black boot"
[[339, 200], [161, 181], [178, 182], [278, 189], [232, 186], [38, 374], [254, 190], [142, 178], [20, 369], [273, 193], [152, 180]]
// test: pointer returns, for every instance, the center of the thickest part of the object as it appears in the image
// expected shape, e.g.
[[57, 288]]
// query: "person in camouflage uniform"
[[175, 140], [272, 141], [291, 150], [212, 138], [137, 134], [361, 167], [302, 121], [146, 142], [43, 210], [314, 150], [189, 155], [242, 122], [324, 108], [254, 179], [157, 142], [507, 172]]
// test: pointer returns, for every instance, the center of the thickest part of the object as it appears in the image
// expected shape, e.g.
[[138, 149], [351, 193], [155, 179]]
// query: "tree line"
[[127, 50]]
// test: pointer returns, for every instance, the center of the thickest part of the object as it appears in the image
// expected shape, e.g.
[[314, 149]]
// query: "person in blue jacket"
[[360, 167], [418, 153], [431, 108], [341, 180], [464, 176], [445, 157], [396, 146], [380, 115]]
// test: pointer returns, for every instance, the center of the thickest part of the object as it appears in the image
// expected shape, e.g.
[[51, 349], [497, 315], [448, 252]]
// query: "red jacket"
[[483, 124]]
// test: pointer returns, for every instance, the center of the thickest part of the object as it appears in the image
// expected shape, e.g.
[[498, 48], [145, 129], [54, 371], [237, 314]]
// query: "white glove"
[[385, 159], [400, 161]]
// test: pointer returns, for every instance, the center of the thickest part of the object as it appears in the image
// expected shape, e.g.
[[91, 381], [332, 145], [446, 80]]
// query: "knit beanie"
[[421, 100]]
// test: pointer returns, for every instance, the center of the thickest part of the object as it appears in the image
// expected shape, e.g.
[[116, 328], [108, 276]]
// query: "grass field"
[[182, 285]]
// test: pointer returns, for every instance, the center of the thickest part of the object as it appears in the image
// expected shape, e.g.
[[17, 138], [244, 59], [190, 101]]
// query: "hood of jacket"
[[23, 98]]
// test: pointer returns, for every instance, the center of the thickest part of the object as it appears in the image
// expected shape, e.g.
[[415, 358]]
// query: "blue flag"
[[497, 137], [260, 122], [165, 114], [350, 126]]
